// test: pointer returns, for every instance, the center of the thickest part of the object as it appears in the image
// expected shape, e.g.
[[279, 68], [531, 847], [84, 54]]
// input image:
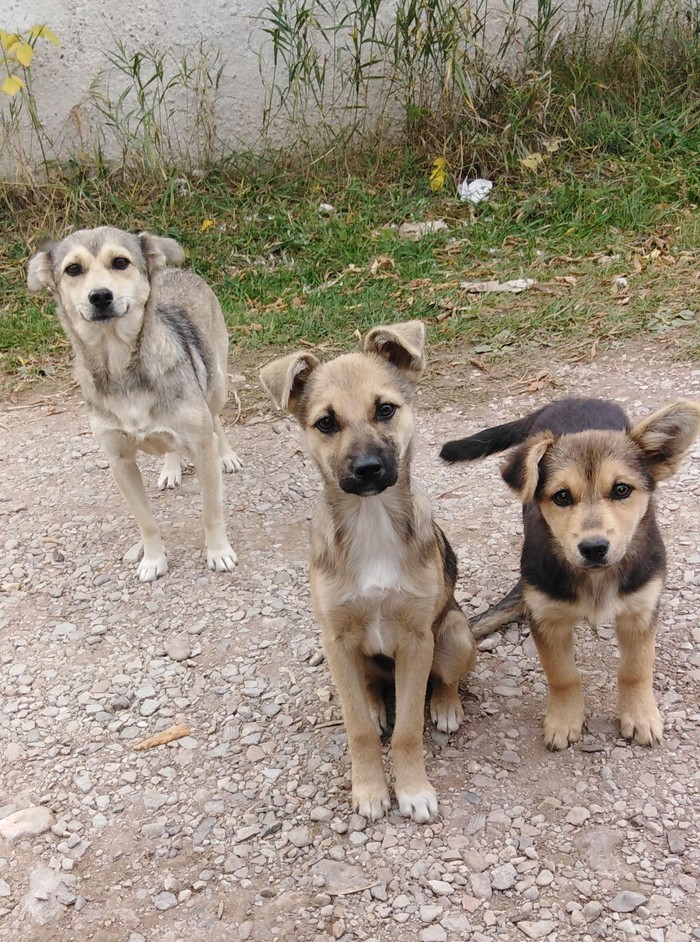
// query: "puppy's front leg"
[[129, 481], [563, 722], [370, 792], [414, 657], [640, 719], [220, 555]]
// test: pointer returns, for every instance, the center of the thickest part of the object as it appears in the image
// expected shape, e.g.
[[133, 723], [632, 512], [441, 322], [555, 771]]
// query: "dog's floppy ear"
[[522, 470], [402, 345], [160, 252], [285, 379], [665, 436], [40, 270]]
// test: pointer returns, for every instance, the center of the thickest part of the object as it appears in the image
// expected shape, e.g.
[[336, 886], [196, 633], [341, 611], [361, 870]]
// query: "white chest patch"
[[375, 553]]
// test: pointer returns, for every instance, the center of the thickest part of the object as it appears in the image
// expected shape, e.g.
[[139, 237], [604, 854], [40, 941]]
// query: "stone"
[[430, 913], [178, 648], [29, 822], [5, 889], [300, 837], [626, 902], [536, 930], [504, 877], [592, 910], [578, 816], [165, 901], [441, 888], [433, 934], [544, 878], [481, 885], [676, 842]]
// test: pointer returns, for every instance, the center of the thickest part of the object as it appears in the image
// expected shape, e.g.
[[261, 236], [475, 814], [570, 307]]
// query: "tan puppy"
[[150, 349], [382, 571], [592, 548]]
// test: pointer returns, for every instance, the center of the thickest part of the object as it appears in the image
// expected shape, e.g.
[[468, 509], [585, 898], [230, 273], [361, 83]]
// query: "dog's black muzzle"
[[594, 552], [101, 300], [370, 474]]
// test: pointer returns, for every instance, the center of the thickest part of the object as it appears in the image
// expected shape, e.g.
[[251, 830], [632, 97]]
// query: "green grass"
[[285, 273]]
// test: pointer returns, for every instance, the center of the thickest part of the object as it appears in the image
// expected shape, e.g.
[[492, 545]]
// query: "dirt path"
[[242, 830]]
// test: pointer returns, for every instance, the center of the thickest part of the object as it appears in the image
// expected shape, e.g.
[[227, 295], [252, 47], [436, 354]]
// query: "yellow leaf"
[[8, 39], [553, 146], [22, 52], [207, 224], [532, 161], [42, 31], [12, 85], [437, 175]]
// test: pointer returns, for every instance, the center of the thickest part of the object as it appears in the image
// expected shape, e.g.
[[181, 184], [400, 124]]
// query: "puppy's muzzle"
[[594, 552], [101, 305], [370, 474]]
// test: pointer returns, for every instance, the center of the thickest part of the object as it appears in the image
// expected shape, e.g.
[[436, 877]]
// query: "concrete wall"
[[89, 28]]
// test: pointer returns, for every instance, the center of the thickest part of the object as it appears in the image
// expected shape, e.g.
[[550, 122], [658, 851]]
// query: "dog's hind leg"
[[171, 475], [455, 656], [554, 639], [230, 461], [640, 719]]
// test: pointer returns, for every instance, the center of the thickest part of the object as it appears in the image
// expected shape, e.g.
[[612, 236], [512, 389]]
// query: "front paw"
[[222, 560], [420, 804], [371, 801], [563, 725], [640, 721], [152, 567]]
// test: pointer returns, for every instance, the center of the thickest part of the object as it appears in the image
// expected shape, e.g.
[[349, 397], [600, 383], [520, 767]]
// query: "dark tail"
[[510, 608], [490, 441]]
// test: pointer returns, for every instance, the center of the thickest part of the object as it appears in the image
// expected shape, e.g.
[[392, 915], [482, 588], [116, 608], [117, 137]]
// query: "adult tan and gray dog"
[[382, 571], [150, 348]]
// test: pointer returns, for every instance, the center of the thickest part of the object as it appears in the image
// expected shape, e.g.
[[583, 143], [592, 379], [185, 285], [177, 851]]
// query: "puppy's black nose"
[[101, 297], [594, 550], [367, 468]]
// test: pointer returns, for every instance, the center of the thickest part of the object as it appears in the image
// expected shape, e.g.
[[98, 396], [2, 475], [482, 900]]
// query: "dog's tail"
[[510, 608], [490, 441]]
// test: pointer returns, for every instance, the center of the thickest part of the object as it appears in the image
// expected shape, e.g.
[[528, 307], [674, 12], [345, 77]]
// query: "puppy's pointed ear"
[[402, 345], [40, 270], [286, 378], [522, 470], [666, 436], [160, 252]]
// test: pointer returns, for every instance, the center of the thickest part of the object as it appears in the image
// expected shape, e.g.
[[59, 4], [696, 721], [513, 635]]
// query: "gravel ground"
[[242, 830]]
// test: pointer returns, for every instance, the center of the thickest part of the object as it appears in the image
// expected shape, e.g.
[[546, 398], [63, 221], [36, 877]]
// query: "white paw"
[[372, 807], [151, 567], [223, 560], [171, 475], [421, 806], [231, 462]]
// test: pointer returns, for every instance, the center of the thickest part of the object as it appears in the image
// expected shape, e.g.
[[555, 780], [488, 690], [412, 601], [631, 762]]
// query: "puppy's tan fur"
[[382, 571], [585, 475], [151, 364]]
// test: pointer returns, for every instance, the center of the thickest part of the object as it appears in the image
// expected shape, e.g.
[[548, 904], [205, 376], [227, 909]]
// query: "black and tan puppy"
[[592, 548], [382, 571]]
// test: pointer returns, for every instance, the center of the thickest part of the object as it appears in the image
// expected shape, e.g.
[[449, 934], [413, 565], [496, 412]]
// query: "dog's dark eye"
[[385, 410], [326, 424], [120, 263], [563, 498], [621, 491], [74, 270]]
